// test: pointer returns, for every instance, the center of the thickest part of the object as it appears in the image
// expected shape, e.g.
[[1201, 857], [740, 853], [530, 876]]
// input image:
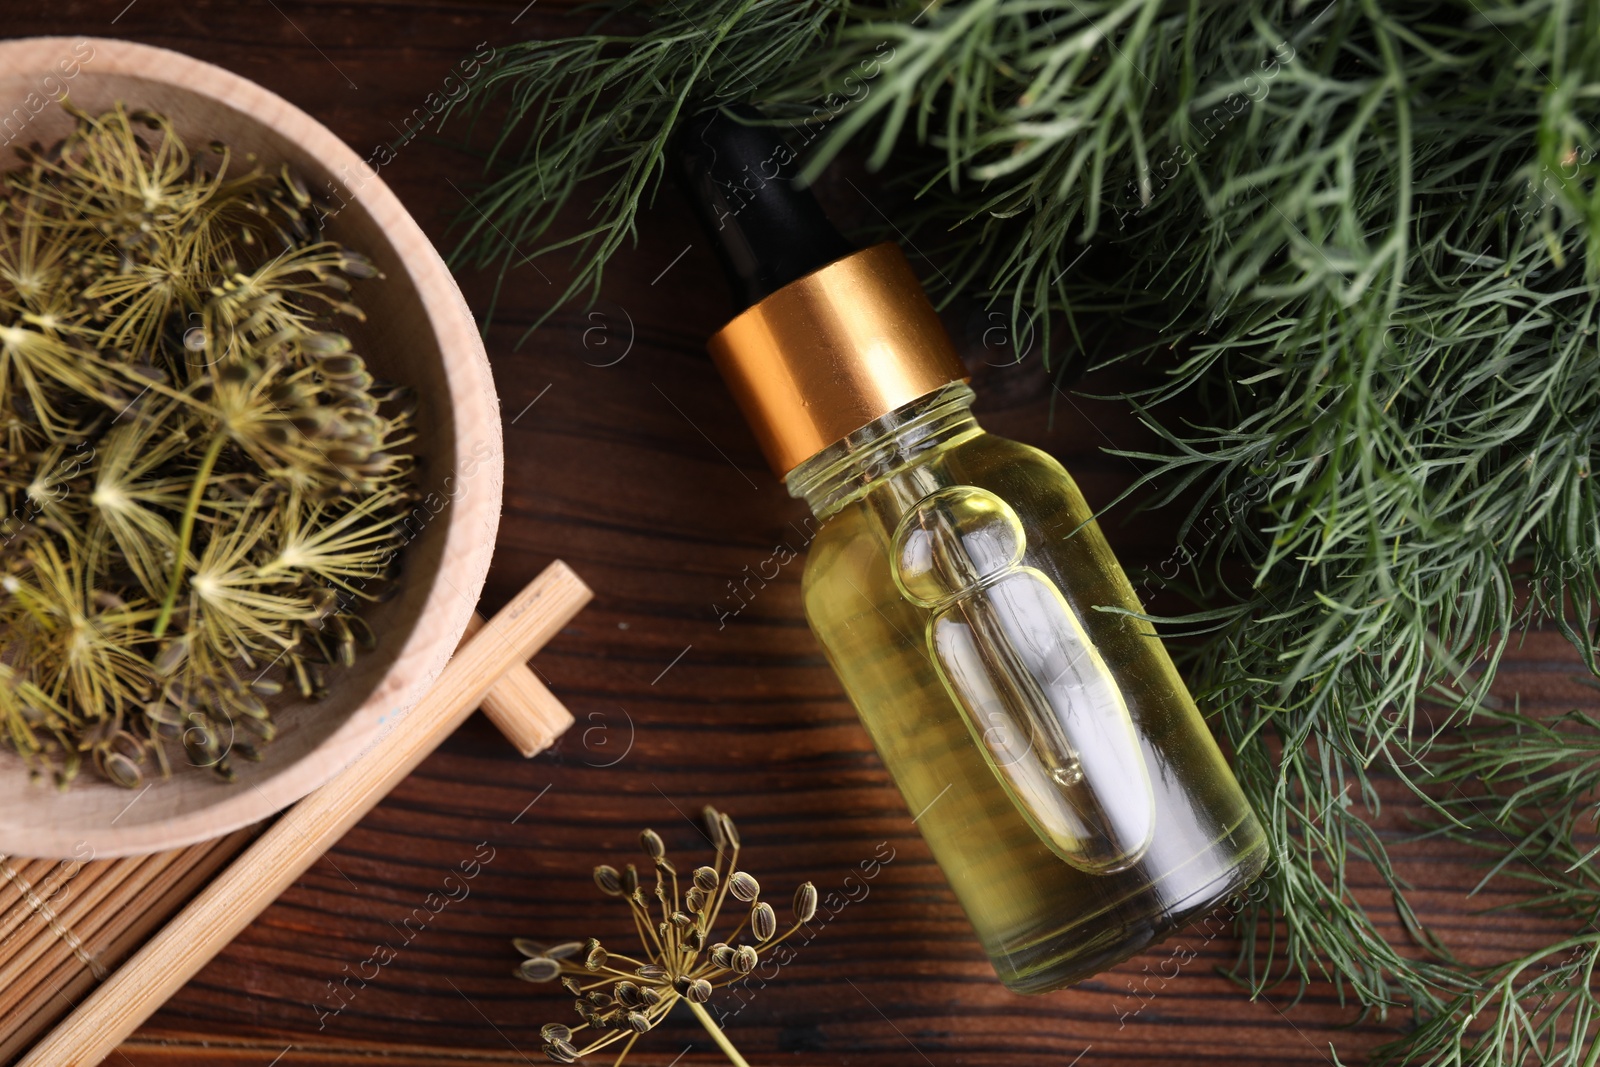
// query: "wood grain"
[[640, 474]]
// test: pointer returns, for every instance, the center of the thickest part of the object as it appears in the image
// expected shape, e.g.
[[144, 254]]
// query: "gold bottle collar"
[[833, 351]]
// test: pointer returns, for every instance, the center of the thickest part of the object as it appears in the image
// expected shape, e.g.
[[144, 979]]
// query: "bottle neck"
[[904, 437]]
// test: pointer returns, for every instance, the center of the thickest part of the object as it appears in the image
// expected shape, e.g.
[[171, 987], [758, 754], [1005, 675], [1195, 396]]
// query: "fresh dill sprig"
[[602, 107], [1365, 239], [1539, 1008], [1526, 792], [1523, 791]]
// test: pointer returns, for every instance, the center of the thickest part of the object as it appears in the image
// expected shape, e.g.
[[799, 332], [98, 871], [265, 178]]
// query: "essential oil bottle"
[[1058, 768]]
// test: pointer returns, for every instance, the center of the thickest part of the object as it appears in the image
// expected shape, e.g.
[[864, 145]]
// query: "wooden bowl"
[[418, 332]]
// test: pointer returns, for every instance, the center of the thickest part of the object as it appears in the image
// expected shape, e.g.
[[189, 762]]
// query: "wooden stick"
[[522, 706], [296, 841]]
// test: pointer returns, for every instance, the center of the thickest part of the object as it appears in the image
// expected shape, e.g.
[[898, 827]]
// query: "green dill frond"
[[1540, 1009], [602, 108], [1524, 792]]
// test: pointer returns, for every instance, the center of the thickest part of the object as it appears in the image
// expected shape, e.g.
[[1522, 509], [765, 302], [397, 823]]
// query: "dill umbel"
[[620, 997], [201, 483]]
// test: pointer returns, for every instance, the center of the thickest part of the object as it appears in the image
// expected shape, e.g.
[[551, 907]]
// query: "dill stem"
[[716, 1033], [186, 531], [625, 1049]]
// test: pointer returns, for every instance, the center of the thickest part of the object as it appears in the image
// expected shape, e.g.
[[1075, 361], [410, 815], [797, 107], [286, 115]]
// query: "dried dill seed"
[[763, 921], [594, 956], [653, 846], [540, 969], [699, 991], [744, 887], [805, 902], [706, 879], [609, 881], [745, 959], [528, 947], [714, 829], [561, 1051], [555, 1032]]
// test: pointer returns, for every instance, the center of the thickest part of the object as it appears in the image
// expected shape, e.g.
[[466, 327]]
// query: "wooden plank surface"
[[638, 471]]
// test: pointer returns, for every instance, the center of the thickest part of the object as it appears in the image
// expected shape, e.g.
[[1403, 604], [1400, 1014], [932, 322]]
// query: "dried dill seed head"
[[620, 997], [199, 479]]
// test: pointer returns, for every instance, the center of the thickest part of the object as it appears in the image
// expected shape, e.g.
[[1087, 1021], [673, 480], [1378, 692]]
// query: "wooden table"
[[627, 458]]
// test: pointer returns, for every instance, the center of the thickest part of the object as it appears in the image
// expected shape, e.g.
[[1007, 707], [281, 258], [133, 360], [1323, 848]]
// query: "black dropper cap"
[[740, 177]]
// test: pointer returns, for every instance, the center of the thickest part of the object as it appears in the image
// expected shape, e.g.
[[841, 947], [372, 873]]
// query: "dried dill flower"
[[621, 997], [200, 481]]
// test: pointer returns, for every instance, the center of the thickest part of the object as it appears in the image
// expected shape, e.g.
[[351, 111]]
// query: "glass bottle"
[[1057, 766], [1043, 740]]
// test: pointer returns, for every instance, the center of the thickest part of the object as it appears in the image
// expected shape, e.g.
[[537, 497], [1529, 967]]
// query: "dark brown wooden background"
[[642, 476]]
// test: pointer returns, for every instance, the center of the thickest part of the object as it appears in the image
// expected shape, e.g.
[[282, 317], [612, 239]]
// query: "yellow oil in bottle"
[[1047, 915]]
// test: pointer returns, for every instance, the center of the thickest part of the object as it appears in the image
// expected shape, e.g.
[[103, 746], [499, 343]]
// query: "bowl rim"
[[469, 528]]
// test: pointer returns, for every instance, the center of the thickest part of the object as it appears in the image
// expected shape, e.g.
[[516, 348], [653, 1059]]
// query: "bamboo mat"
[[65, 925]]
